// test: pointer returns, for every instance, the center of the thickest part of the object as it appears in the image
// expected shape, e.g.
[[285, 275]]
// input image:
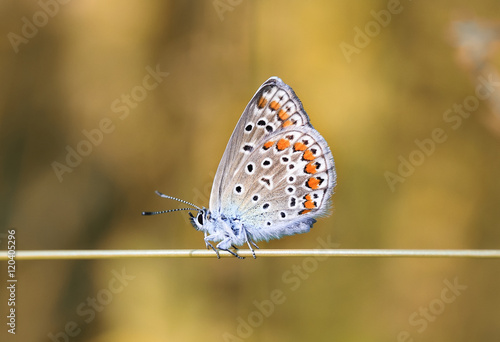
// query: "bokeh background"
[[374, 77]]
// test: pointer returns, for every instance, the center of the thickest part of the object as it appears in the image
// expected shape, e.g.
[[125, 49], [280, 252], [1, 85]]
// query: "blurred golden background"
[[406, 94]]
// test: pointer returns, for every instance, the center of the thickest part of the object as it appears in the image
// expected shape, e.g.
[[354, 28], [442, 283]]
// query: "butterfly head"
[[200, 219]]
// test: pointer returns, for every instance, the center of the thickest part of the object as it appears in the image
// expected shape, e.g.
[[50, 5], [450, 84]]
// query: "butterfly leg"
[[225, 244], [233, 253], [254, 244], [209, 245], [250, 243]]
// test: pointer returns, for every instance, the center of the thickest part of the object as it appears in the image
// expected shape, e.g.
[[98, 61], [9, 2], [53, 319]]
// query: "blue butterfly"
[[276, 176]]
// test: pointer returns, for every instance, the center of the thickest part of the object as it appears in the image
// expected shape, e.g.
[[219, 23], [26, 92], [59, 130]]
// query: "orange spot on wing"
[[282, 144], [274, 105], [287, 123], [305, 211], [298, 146], [268, 144], [283, 115], [309, 205], [313, 183], [311, 168], [262, 102], [308, 155]]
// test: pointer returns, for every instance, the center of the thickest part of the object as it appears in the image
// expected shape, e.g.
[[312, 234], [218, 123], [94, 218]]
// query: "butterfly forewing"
[[260, 118]]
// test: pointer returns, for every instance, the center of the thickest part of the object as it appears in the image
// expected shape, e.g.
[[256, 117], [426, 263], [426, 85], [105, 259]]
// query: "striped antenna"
[[145, 213], [196, 208]]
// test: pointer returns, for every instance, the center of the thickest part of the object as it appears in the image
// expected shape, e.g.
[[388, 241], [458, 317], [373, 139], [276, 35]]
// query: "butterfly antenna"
[[195, 207], [177, 199], [145, 213]]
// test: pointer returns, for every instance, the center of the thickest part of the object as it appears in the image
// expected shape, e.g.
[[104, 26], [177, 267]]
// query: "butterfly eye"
[[199, 218]]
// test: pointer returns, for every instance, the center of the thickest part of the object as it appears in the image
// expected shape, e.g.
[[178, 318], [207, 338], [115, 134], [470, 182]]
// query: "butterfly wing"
[[277, 172]]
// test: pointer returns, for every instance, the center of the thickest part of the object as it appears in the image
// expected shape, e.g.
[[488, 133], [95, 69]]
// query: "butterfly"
[[276, 176]]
